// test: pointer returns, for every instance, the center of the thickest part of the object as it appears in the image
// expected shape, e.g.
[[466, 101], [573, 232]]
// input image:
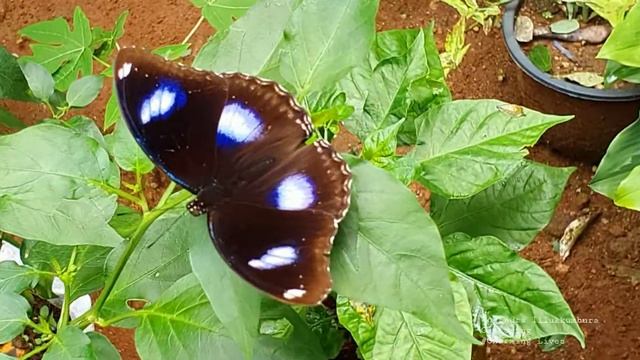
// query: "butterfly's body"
[[238, 142]]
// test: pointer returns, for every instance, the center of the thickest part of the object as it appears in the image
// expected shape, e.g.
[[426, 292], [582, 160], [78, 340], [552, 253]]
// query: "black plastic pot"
[[599, 113]]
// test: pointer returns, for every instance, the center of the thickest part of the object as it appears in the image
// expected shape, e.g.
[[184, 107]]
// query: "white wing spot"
[[295, 192], [294, 294], [239, 123], [275, 258], [124, 71]]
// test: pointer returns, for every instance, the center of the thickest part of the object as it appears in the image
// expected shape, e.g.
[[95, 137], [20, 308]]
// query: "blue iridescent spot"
[[238, 124], [166, 98], [295, 192]]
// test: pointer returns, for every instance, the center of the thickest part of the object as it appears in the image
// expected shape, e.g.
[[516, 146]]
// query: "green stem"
[[36, 351], [121, 193], [193, 30], [140, 189], [67, 278], [38, 327], [167, 193], [104, 63], [147, 219], [117, 319]]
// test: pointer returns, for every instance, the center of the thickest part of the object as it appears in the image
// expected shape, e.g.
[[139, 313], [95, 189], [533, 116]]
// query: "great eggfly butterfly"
[[239, 143]]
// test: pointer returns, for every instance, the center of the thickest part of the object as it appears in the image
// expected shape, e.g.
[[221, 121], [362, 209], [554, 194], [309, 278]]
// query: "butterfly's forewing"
[[172, 112], [287, 197]]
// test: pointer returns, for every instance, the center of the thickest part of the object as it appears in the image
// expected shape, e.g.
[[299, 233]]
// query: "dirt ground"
[[600, 280]]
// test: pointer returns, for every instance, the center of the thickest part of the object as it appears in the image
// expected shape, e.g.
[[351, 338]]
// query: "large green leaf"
[[251, 43], [70, 343], [64, 52], [513, 210], [88, 261], [16, 278], [45, 186], [628, 193], [402, 79], [126, 151], [402, 335], [238, 306], [512, 299], [13, 315], [324, 40], [611, 10], [181, 325], [158, 261], [465, 146], [622, 45], [13, 84], [358, 319], [388, 251], [221, 13], [622, 157]]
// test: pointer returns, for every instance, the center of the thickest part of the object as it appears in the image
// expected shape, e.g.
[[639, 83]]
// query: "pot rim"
[[559, 85]]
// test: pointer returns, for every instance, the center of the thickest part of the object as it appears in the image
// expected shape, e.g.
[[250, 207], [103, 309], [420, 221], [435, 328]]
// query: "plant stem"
[[121, 193], [36, 351], [38, 327], [104, 63], [67, 278], [147, 219], [167, 193], [193, 30], [140, 189]]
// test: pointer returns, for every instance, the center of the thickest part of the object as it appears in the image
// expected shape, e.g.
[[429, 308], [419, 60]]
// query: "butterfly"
[[238, 142]]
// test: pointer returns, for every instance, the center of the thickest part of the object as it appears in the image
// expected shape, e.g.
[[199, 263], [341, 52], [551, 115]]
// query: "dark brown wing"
[[173, 112]]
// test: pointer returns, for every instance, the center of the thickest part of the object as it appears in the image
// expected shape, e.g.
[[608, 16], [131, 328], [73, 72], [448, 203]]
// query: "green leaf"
[[89, 263], [541, 57], [512, 299], [584, 78], [565, 26], [323, 323], [513, 210], [166, 242], [468, 145], [402, 335], [358, 319], [125, 221], [63, 52], [388, 251], [238, 306], [126, 150], [628, 193], [312, 59], [455, 47], [621, 158], [252, 42], [13, 84], [380, 145], [404, 80], [222, 13], [112, 112], [46, 190], [102, 348], [6, 357], [39, 79], [104, 42], [16, 278], [614, 72], [70, 343], [83, 91], [13, 315], [622, 45], [173, 52], [9, 120], [611, 10], [181, 325], [301, 343]]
